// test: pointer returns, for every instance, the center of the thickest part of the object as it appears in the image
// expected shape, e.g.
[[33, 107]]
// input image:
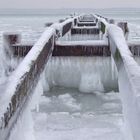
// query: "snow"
[[84, 43]]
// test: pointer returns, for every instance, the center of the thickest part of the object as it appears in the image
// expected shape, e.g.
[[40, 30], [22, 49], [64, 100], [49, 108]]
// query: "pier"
[[61, 39]]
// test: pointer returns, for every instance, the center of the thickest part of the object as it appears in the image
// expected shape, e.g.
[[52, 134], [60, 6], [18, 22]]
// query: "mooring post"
[[111, 21], [10, 39], [124, 27], [75, 21]]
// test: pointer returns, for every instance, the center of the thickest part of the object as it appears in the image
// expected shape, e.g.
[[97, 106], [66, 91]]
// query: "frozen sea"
[[66, 113]]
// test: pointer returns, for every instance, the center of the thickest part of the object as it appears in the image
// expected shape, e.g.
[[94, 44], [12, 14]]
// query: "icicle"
[[69, 71], [113, 69]]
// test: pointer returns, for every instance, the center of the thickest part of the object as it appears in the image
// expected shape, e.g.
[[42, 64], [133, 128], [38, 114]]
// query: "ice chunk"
[[69, 101]]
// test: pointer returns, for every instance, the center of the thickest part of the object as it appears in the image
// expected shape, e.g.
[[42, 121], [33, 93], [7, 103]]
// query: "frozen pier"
[[85, 35]]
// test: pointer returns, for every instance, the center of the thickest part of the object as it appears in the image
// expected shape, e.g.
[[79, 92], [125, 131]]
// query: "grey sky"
[[68, 3]]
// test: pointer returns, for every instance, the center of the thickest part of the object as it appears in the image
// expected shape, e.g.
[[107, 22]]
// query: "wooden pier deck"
[[111, 42]]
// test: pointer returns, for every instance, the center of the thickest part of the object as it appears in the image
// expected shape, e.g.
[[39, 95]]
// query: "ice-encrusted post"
[[10, 38], [124, 27]]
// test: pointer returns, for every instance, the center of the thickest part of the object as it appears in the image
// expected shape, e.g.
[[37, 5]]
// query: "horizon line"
[[69, 8]]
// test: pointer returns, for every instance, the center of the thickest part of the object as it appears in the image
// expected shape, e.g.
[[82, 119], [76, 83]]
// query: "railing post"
[[124, 27], [11, 39]]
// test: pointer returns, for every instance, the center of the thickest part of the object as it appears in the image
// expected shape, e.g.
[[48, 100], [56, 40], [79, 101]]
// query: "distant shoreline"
[[63, 11]]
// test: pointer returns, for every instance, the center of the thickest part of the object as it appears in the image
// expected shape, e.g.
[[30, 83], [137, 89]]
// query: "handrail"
[[128, 78], [22, 80], [25, 77]]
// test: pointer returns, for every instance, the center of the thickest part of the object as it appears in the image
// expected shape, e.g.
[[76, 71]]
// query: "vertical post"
[[75, 21], [10, 39], [124, 27], [111, 21]]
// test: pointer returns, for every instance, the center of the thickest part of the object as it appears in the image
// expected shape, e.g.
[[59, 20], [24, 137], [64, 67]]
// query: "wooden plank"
[[21, 50], [81, 24], [81, 50], [85, 31], [68, 50]]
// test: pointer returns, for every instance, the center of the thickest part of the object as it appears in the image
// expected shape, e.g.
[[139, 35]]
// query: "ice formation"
[[79, 72]]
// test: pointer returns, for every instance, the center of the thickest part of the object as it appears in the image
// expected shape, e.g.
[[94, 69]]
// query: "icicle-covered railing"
[[128, 78], [23, 80], [64, 27], [25, 77]]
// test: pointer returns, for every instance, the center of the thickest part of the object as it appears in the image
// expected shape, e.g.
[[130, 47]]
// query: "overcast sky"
[[67, 3]]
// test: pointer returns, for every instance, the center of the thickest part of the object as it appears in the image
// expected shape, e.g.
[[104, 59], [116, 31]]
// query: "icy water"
[[66, 113], [78, 108], [132, 16], [31, 26]]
